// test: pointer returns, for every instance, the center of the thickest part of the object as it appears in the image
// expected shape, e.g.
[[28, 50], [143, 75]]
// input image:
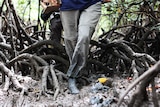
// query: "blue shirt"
[[77, 4]]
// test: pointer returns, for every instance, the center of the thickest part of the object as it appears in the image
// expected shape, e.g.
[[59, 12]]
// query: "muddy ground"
[[93, 94]]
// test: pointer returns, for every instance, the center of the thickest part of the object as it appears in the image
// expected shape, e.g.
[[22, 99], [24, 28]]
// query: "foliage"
[[112, 11], [27, 10]]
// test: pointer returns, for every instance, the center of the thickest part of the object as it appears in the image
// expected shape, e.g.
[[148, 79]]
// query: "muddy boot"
[[72, 86]]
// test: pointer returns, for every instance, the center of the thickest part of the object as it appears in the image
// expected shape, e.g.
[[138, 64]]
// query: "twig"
[[55, 81], [6, 85], [44, 79]]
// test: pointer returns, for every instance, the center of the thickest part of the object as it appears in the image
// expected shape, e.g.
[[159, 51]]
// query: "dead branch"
[[19, 27], [154, 70], [55, 81], [7, 83], [40, 61], [11, 75], [61, 73], [56, 57], [44, 79], [6, 46], [44, 42], [27, 56]]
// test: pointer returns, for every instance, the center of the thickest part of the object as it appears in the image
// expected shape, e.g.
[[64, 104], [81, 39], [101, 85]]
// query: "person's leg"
[[56, 28], [78, 50], [70, 22], [87, 23]]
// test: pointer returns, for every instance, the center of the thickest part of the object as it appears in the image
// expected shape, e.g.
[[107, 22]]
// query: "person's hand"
[[44, 6], [106, 1], [55, 3]]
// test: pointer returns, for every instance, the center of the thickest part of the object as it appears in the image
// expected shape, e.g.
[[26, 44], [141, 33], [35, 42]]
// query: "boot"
[[72, 86]]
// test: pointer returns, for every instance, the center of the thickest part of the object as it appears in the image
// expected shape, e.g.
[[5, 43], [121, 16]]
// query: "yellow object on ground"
[[102, 80]]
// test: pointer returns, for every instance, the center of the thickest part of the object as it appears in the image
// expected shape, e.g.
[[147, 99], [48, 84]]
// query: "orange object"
[[129, 78], [150, 89]]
